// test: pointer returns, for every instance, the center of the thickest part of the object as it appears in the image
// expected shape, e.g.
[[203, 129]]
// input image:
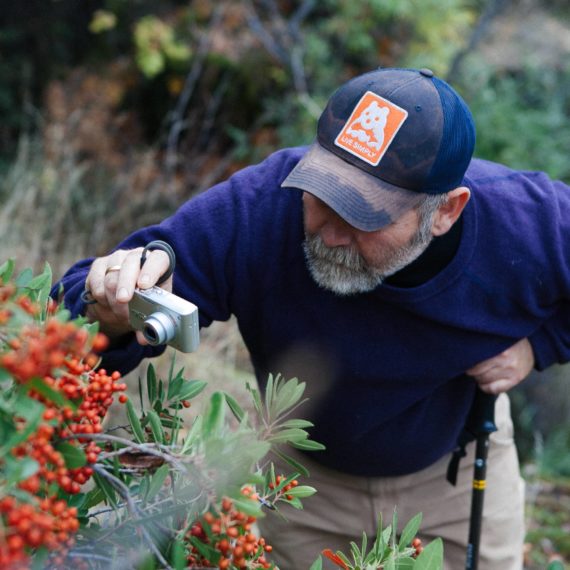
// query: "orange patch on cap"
[[371, 128]]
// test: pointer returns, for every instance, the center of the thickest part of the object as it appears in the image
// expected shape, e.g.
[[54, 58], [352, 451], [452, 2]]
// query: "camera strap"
[[163, 246]]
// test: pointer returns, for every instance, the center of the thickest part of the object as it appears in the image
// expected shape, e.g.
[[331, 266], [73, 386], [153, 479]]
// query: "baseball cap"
[[384, 140]]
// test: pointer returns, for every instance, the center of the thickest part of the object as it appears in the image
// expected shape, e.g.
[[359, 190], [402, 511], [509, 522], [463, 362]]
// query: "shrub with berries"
[[51, 400], [161, 495], [166, 494]]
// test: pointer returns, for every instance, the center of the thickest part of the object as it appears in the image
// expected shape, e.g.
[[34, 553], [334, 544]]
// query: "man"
[[379, 266]]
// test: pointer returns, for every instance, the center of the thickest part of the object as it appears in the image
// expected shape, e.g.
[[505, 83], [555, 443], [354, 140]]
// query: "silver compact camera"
[[165, 318]]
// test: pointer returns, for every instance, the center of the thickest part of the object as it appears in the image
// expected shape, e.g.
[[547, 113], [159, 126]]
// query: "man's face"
[[346, 260]]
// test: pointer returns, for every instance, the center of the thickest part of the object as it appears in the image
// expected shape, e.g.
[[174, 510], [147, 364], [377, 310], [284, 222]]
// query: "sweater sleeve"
[[551, 342], [216, 240]]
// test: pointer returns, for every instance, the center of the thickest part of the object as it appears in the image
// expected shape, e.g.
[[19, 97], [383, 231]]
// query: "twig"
[[492, 9], [268, 41], [283, 39], [177, 122], [123, 490], [150, 448], [89, 556]]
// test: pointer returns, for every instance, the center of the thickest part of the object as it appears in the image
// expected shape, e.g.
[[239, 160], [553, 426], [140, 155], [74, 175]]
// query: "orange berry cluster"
[[61, 356], [229, 531], [38, 350], [48, 522], [283, 492]]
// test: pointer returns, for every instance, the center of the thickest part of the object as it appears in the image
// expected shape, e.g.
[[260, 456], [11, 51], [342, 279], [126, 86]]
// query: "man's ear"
[[448, 213]]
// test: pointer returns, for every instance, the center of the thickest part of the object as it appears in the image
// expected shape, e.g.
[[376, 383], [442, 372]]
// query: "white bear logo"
[[369, 126]]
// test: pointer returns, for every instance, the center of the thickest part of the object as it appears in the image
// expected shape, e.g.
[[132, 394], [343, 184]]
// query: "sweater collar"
[[434, 259]]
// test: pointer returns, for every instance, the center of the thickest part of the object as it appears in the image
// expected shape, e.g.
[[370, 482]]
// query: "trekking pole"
[[479, 426], [484, 406]]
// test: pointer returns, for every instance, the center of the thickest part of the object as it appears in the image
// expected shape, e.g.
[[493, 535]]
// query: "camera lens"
[[158, 329]]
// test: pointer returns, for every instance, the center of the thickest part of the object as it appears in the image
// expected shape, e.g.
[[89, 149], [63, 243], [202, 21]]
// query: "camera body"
[[165, 318]]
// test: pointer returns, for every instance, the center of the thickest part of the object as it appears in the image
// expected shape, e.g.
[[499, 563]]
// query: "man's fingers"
[[484, 367], [128, 276], [95, 281], [156, 265], [497, 386], [112, 281]]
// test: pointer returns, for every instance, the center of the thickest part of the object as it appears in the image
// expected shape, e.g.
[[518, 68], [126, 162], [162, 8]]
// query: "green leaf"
[[155, 426], [214, 416], [135, 422], [144, 485], [49, 393], [293, 462], [394, 529], [16, 470], [410, 531], [302, 491], [288, 395], [40, 281], [193, 434], [379, 543], [308, 445], [178, 555], [93, 497], [31, 411], [40, 558], [291, 435], [190, 389], [431, 557], [151, 384], [6, 270], [317, 564], [284, 396], [209, 553], [269, 392], [249, 507], [236, 409], [147, 563], [255, 398], [295, 503], [106, 488], [174, 385], [77, 500], [5, 376], [295, 423], [356, 554], [72, 455], [24, 278], [157, 481]]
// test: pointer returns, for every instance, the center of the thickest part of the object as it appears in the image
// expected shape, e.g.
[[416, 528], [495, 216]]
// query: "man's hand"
[[112, 281], [504, 371]]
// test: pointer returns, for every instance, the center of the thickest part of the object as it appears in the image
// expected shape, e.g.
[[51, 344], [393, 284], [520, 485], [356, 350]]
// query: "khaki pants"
[[345, 506]]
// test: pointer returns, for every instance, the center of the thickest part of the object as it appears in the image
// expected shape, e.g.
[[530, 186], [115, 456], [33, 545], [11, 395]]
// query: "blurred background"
[[114, 112]]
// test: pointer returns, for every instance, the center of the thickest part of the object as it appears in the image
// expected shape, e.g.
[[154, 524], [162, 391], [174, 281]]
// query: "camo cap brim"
[[362, 200]]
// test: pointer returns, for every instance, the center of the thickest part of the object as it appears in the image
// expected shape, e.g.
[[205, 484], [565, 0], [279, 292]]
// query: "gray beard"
[[344, 271]]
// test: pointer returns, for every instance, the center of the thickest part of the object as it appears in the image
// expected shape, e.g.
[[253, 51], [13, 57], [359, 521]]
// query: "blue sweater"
[[383, 369]]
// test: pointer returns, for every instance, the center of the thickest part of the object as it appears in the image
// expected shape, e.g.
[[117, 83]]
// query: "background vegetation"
[[115, 112]]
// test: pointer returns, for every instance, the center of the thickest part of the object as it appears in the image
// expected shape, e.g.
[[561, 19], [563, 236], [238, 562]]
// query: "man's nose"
[[335, 233]]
